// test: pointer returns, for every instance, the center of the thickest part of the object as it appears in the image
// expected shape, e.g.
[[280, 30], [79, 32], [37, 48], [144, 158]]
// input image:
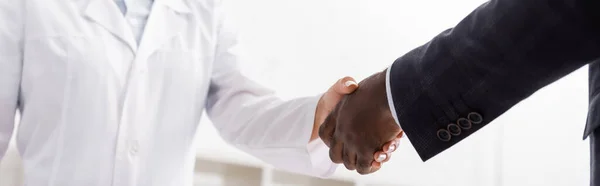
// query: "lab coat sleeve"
[[251, 118], [10, 67]]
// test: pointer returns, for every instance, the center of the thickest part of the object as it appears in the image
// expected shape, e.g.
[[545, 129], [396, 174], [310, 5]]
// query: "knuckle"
[[326, 132], [348, 163], [332, 156], [363, 168], [322, 130], [362, 171], [350, 138], [365, 162], [349, 166], [368, 170], [335, 157]]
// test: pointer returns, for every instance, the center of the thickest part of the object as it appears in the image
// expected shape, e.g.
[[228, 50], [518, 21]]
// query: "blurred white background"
[[300, 47]]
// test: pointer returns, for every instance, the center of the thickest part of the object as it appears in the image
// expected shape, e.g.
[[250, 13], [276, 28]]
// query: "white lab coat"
[[96, 110]]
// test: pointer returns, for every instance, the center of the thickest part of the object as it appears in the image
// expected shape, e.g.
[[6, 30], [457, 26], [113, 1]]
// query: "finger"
[[335, 152], [376, 164], [342, 87], [386, 152], [390, 146], [327, 129], [400, 135], [345, 85], [349, 158], [389, 156], [380, 156], [363, 164]]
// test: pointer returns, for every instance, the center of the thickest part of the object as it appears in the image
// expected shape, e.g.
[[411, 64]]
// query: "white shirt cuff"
[[390, 99], [308, 158], [321, 163]]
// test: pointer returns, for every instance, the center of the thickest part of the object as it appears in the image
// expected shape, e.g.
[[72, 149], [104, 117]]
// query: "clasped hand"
[[360, 131]]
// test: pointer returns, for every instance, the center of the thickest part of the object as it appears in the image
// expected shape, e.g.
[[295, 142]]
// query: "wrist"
[[377, 84]]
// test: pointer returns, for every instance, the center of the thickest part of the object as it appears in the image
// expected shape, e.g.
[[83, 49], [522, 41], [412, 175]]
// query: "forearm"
[[497, 56], [265, 122], [251, 118]]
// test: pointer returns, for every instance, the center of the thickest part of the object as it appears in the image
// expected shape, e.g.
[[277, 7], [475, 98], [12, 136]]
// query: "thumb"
[[326, 105], [342, 87], [335, 93]]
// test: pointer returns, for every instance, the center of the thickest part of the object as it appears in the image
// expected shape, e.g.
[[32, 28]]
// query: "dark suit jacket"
[[497, 56]]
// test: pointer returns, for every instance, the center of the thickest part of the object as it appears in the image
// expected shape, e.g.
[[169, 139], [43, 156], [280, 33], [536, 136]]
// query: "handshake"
[[359, 127]]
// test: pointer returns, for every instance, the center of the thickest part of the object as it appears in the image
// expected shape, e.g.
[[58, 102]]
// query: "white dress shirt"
[[136, 14], [97, 109], [390, 99]]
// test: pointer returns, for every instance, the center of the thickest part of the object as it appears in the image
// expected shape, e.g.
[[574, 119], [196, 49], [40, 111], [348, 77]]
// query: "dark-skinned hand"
[[360, 126]]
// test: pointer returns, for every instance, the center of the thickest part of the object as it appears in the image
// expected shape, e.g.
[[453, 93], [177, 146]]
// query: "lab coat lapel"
[[167, 19], [107, 14]]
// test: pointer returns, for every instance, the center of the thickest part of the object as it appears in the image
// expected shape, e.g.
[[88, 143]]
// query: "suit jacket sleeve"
[[498, 55]]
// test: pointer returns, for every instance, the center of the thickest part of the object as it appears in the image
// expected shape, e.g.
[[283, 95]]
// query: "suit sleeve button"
[[454, 129], [464, 123], [475, 117], [443, 135]]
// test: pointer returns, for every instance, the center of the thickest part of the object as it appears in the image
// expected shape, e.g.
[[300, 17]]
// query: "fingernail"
[[350, 83], [392, 148], [381, 157]]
